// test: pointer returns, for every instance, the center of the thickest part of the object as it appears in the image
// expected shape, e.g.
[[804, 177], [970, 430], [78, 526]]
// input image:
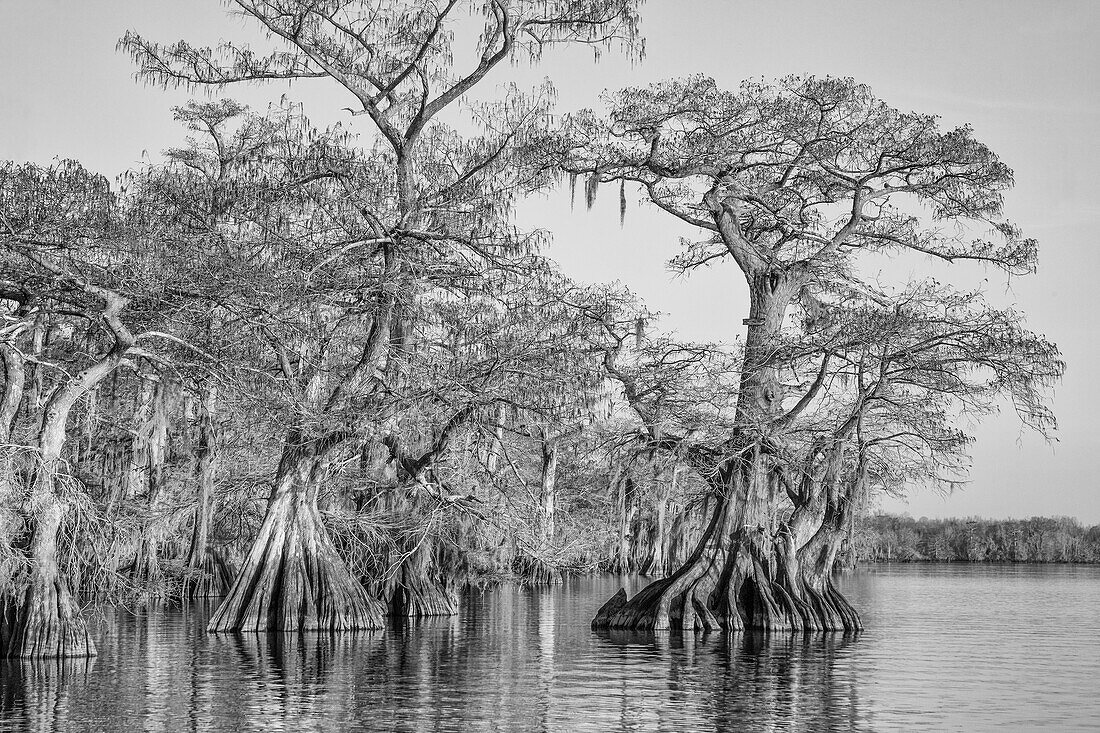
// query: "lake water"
[[948, 647]]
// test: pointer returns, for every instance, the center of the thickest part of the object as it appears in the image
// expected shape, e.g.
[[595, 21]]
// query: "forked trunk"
[[293, 578]]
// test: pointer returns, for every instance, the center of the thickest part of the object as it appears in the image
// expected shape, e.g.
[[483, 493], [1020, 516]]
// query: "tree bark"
[[37, 372], [293, 578], [14, 382], [10, 400], [657, 563], [48, 622], [420, 587]]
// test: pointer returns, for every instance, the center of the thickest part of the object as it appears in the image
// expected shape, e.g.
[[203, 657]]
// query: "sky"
[[1024, 74]]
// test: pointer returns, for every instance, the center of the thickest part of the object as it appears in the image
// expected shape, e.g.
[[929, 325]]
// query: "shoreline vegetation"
[[891, 538]]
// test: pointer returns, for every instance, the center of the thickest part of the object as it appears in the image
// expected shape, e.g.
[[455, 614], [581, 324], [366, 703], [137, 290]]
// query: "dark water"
[[947, 648]]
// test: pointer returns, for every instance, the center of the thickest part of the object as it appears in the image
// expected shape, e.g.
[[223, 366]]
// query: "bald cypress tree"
[[794, 182]]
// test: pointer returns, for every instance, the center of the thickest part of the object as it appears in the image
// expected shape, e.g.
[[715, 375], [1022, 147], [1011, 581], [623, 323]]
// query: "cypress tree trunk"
[[423, 580], [293, 578], [151, 445], [734, 578], [548, 488], [46, 621], [496, 445], [421, 587], [36, 378], [209, 574], [627, 509], [415, 574], [828, 609], [14, 381], [137, 475], [657, 562], [537, 567]]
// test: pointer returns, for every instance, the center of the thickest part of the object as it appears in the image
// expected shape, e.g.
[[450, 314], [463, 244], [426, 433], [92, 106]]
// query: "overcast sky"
[[1025, 74]]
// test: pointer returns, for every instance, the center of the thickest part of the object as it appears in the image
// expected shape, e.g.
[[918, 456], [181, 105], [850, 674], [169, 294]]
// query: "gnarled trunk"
[[293, 578], [728, 580]]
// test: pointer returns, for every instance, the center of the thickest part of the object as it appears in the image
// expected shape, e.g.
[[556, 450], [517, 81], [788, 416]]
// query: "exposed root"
[[832, 610]]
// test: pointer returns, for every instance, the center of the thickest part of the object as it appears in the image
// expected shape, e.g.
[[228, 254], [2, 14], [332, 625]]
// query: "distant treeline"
[[886, 537]]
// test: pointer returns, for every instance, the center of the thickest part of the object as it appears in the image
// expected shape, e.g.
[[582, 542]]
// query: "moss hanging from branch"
[[590, 185], [622, 203]]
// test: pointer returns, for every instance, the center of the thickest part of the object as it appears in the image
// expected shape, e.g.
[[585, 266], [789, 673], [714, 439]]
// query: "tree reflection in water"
[[788, 681], [515, 659], [34, 693], [524, 659]]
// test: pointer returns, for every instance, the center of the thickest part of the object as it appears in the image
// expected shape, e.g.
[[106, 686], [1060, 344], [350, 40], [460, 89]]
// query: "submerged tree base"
[[661, 605], [212, 578], [417, 598], [294, 579], [46, 623]]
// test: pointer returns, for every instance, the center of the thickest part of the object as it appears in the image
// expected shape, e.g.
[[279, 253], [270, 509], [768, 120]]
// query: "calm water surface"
[[946, 648]]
